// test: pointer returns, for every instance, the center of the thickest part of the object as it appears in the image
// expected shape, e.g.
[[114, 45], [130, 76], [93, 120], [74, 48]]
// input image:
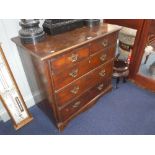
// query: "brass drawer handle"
[[102, 73], [103, 57], [73, 73], [73, 57], [105, 43], [75, 90], [100, 87], [76, 104]]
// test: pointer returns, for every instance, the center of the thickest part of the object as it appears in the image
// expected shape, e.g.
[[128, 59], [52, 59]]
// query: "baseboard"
[[4, 115], [30, 101], [38, 96]]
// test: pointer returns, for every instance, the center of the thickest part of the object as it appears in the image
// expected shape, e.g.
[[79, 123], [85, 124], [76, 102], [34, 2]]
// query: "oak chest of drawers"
[[75, 68]]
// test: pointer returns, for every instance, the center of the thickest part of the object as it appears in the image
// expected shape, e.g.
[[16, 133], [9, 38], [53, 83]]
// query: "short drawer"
[[70, 58], [101, 57], [68, 75], [103, 43], [84, 99], [78, 87]]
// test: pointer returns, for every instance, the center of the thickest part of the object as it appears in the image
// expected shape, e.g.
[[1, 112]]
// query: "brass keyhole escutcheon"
[[103, 57], [76, 104], [75, 90], [100, 87], [73, 57], [105, 43], [74, 73], [102, 73]]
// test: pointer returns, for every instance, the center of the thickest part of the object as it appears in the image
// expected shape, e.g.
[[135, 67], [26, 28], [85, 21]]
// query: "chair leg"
[[124, 79], [146, 59], [117, 82]]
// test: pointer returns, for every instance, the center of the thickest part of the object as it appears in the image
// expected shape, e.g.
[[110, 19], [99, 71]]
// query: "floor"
[[127, 110]]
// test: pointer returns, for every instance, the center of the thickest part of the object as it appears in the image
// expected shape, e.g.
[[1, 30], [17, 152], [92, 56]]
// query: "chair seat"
[[123, 74], [120, 69]]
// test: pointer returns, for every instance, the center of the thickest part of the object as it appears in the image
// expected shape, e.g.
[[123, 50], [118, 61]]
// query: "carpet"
[[128, 110]]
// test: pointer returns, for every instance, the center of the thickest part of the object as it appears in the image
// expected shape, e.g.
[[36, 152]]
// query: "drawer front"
[[100, 87], [103, 43], [74, 107], [83, 84], [71, 91], [101, 57], [70, 58], [100, 74], [84, 99], [66, 76]]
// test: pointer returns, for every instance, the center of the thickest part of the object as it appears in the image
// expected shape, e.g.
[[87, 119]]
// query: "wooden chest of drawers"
[[75, 68]]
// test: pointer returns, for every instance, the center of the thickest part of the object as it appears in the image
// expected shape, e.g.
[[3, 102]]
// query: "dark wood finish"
[[102, 56], [83, 84], [70, 74], [70, 58], [84, 99], [61, 43], [144, 82], [75, 68], [141, 80], [131, 23], [138, 54], [89, 101], [103, 43], [152, 27]]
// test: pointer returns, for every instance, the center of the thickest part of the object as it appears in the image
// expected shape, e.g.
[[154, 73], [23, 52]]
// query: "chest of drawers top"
[[59, 44]]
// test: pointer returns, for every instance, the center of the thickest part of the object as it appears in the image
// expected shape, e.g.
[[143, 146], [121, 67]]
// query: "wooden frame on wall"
[[137, 78], [11, 97]]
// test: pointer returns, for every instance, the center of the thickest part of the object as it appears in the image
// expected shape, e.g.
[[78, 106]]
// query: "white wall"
[[8, 29]]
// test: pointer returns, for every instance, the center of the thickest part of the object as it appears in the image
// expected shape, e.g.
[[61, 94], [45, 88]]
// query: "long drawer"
[[68, 75], [84, 83], [84, 99]]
